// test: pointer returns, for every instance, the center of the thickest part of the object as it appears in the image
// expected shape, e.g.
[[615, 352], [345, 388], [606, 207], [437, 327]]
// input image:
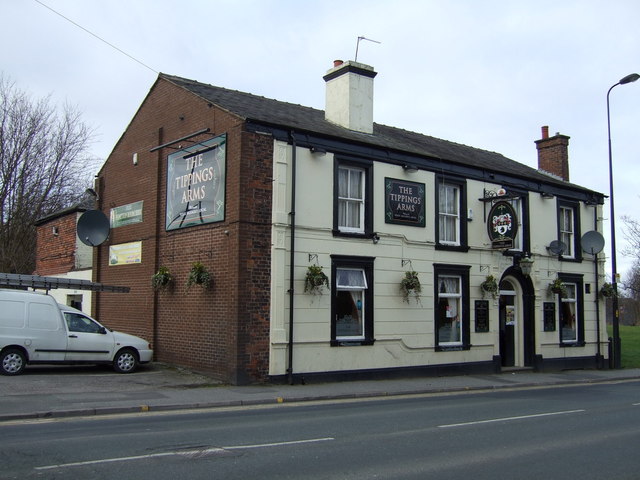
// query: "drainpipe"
[[599, 361], [292, 220]]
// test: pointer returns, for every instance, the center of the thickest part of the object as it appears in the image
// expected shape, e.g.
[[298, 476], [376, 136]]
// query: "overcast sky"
[[483, 73]]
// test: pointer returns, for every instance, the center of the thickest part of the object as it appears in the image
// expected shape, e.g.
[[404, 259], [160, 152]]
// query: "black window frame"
[[578, 280], [464, 238], [367, 166], [367, 265], [462, 271], [575, 207]]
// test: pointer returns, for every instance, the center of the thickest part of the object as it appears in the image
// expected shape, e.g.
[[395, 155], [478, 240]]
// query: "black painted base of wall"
[[540, 364], [475, 368]]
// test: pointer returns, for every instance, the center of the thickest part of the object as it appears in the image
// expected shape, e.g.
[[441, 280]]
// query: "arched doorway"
[[516, 318]]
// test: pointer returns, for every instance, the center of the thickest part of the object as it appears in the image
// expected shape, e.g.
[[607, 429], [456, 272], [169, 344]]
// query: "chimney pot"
[[337, 63], [545, 131]]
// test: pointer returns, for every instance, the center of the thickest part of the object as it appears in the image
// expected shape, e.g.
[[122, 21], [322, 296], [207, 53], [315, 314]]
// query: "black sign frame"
[[404, 202], [502, 225]]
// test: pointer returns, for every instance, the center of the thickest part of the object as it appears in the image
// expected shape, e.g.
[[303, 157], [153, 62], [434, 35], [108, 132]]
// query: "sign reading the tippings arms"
[[404, 202], [502, 225], [196, 184]]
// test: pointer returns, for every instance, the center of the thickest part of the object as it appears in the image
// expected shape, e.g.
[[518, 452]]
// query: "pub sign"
[[502, 225], [404, 202], [196, 184]]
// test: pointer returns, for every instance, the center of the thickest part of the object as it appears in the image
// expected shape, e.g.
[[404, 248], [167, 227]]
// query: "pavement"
[[73, 391]]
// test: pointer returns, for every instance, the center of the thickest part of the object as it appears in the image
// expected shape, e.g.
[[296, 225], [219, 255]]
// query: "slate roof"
[[291, 116]]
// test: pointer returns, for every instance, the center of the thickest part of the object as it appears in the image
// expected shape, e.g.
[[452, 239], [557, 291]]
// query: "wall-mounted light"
[[55, 231], [375, 238], [318, 151], [135, 158], [524, 262], [546, 195], [410, 168]]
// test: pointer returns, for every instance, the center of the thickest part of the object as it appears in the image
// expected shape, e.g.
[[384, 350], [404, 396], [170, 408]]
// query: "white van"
[[34, 328]]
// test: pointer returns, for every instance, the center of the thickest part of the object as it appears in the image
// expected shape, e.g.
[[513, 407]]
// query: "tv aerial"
[[93, 228], [358, 45]]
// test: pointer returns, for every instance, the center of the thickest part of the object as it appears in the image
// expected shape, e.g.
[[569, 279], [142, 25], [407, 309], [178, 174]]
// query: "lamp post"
[[632, 77]]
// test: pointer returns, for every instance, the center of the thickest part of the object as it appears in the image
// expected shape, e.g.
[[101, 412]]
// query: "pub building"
[[336, 247]]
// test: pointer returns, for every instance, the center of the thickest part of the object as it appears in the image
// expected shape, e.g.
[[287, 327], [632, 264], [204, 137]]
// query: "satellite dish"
[[93, 228], [592, 242], [557, 247]]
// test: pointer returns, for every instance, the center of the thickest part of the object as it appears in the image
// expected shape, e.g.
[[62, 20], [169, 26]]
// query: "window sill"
[[352, 343], [572, 259], [572, 344], [363, 236], [452, 348], [452, 248]]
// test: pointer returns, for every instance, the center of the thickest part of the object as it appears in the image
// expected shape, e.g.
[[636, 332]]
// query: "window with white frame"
[[449, 320], [566, 230], [351, 199], [449, 214], [569, 314], [351, 285], [352, 300]]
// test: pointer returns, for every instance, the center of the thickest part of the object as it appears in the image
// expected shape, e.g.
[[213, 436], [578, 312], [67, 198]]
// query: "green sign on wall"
[[126, 214], [196, 184]]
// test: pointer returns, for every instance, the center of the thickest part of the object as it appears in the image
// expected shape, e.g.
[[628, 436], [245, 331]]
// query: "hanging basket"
[[410, 285], [490, 286], [608, 290], [162, 279], [198, 275], [315, 280], [557, 287]]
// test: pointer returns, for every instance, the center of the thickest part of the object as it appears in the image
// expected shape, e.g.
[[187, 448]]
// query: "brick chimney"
[[349, 95], [553, 154]]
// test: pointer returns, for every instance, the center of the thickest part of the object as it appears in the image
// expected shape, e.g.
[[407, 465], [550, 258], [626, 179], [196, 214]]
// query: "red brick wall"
[[224, 330], [55, 254]]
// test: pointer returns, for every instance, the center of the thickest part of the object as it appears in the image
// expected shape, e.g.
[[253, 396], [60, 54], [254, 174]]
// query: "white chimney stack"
[[349, 95]]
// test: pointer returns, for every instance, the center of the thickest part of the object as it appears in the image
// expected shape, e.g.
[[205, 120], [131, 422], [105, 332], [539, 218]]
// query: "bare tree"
[[44, 167]]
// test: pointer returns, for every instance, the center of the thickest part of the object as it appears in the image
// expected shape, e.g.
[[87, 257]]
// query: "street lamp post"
[[614, 271]]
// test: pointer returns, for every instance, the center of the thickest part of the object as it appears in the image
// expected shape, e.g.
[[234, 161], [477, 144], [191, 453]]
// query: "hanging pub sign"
[[502, 225], [404, 202], [196, 184]]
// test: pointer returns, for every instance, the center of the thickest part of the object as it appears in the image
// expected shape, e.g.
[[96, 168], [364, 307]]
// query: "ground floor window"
[[352, 300], [571, 312], [451, 307]]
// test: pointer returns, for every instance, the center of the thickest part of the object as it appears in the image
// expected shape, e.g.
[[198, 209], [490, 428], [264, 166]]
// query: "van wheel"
[[125, 361], [13, 362]]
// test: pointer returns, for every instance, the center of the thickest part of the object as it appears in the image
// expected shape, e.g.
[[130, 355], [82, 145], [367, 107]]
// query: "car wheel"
[[13, 362], [125, 361]]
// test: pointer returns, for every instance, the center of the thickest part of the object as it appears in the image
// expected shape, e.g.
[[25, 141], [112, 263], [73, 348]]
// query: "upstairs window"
[[449, 214], [351, 199], [353, 206], [451, 224], [569, 229]]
